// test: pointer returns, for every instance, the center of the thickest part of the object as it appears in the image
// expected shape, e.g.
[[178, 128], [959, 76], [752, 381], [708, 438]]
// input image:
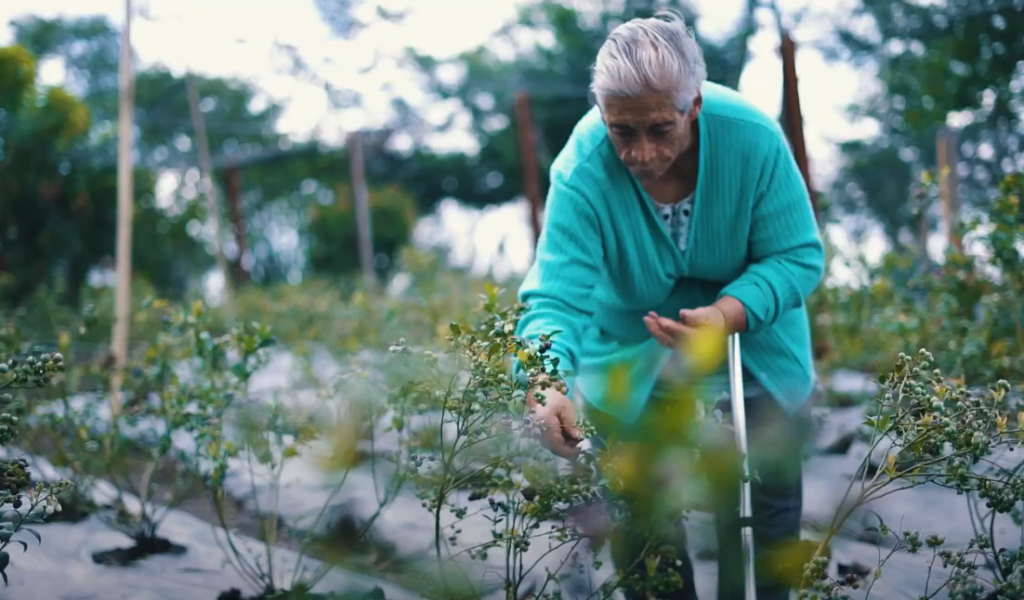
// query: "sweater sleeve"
[[558, 289], [787, 256]]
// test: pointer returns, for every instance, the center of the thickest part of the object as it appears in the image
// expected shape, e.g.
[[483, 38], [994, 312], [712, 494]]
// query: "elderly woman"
[[677, 205]]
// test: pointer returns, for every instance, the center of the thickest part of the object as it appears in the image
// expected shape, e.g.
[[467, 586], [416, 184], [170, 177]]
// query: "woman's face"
[[649, 132]]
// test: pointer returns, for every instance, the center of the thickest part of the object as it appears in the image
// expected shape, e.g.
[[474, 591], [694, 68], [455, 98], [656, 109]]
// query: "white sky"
[[237, 37]]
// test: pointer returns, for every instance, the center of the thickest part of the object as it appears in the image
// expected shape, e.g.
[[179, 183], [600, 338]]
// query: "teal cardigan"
[[604, 259]]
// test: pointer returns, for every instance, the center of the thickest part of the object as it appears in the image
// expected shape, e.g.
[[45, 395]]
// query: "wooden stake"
[[125, 195], [528, 158], [361, 200], [792, 115], [946, 159], [210, 190], [237, 217]]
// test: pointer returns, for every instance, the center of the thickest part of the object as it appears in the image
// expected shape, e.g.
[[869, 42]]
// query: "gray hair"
[[658, 54]]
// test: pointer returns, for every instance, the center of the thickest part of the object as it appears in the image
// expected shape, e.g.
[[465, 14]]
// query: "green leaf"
[[35, 534], [456, 330]]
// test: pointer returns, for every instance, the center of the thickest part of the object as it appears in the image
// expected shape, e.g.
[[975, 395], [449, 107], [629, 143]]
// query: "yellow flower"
[[622, 464], [705, 350], [618, 384], [1001, 423], [343, 441]]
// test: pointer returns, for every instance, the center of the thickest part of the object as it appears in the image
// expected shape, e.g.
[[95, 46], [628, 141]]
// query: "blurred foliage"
[[275, 179], [968, 309], [546, 53], [57, 212], [89, 47], [931, 429], [933, 60], [421, 297], [334, 245], [343, 17], [27, 498]]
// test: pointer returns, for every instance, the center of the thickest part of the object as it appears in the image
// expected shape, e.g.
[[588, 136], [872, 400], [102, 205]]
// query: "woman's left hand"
[[672, 333]]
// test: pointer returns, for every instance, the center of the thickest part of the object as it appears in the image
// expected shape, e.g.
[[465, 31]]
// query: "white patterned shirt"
[[676, 217]]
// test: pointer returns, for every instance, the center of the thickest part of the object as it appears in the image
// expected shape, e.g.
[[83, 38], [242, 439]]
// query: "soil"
[[191, 497], [235, 594], [143, 547], [339, 544]]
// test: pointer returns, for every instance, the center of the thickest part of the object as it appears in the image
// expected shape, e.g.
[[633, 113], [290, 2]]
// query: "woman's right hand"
[[557, 420]]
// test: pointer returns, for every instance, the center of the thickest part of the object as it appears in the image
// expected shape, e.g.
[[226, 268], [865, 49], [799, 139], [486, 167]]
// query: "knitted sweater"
[[606, 258]]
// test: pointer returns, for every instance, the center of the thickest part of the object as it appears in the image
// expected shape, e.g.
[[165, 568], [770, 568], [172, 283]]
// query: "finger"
[[677, 332], [572, 434], [675, 329], [565, 448], [663, 338], [659, 334], [551, 432], [653, 326], [567, 421], [692, 318]]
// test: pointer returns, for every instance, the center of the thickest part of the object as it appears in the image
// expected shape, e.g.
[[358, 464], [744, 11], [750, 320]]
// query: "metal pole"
[[739, 419]]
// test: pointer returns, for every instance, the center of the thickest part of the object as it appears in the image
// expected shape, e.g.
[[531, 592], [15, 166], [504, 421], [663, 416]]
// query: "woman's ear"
[[698, 102]]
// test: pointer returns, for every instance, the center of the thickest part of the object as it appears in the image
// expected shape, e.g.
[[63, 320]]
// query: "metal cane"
[[739, 420]]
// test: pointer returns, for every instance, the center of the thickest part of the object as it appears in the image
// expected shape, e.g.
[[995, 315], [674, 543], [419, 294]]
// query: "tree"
[[332, 230], [556, 75], [934, 60], [57, 211], [236, 131]]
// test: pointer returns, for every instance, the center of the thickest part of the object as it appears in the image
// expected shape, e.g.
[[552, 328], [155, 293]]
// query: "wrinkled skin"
[[656, 142]]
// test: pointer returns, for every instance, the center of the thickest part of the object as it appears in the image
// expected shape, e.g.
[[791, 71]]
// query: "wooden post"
[[528, 158], [792, 115], [947, 156], [209, 188], [237, 217], [125, 198], [361, 202], [793, 125]]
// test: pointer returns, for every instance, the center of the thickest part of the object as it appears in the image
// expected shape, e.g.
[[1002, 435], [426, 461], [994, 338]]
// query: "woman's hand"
[[557, 418], [672, 333]]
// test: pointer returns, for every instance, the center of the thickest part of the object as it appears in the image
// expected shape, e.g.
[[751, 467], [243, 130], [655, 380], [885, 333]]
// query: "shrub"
[[29, 503], [967, 309], [935, 431]]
